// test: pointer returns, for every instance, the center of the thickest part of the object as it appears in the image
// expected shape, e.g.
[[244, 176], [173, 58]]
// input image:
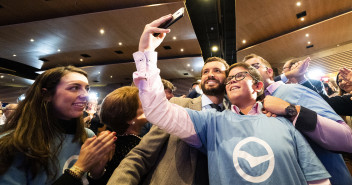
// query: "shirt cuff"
[[306, 120], [283, 78]]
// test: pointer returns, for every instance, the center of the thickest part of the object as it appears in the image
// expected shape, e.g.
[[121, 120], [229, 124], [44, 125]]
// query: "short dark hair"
[[119, 107], [216, 59]]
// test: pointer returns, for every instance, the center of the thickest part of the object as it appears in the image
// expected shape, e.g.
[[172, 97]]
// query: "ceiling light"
[[298, 3], [99, 72], [14, 55], [2, 76], [174, 38], [214, 48], [192, 70], [102, 31], [188, 65], [81, 59], [32, 40], [244, 41], [302, 19], [308, 42], [120, 43], [110, 76], [58, 50], [181, 49], [307, 34]]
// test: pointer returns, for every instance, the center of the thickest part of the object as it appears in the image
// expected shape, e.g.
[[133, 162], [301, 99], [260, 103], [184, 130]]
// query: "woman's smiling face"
[[71, 96]]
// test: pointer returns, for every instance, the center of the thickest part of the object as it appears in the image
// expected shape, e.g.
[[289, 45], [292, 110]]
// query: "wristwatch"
[[291, 111]]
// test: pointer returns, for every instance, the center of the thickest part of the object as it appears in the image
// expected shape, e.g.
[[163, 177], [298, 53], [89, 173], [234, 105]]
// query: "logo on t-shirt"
[[259, 162]]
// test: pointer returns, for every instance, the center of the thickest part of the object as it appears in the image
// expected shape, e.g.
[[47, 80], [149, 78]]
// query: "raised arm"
[[167, 116]]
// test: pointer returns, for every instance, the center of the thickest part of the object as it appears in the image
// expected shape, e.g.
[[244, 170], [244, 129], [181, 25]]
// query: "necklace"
[[131, 135]]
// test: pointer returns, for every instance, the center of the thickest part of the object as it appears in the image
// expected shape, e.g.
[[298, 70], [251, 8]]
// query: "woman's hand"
[[95, 151], [147, 41]]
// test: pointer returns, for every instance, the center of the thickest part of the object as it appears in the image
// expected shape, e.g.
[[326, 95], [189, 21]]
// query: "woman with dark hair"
[[122, 112], [44, 136]]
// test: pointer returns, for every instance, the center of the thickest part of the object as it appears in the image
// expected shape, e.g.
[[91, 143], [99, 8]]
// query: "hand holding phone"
[[175, 17]]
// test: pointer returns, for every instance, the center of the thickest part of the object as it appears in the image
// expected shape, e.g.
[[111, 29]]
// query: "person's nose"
[[84, 94]]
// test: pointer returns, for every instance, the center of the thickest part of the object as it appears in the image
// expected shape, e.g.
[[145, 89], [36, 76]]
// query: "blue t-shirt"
[[300, 95], [68, 155], [255, 149]]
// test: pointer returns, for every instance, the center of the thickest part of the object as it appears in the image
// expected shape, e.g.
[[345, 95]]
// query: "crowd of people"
[[239, 125]]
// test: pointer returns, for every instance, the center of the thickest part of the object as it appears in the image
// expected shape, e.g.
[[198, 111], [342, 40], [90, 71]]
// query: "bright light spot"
[[102, 31], [315, 74], [181, 49], [188, 65], [214, 48], [307, 34], [302, 19], [14, 55], [81, 59], [2, 76], [99, 72], [338, 45], [21, 98], [192, 70], [325, 79], [174, 38], [32, 40], [298, 3], [244, 41], [308, 42], [120, 43], [110, 76], [93, 96], [58, 50]]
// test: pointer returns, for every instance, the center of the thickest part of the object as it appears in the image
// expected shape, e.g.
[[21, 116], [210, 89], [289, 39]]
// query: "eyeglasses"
[[257, 65], [239, 76]]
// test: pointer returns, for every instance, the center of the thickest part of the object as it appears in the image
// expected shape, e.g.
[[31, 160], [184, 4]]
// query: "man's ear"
[[258, 86], [270, 72]]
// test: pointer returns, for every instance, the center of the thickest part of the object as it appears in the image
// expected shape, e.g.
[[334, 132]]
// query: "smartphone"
[[175, 17]]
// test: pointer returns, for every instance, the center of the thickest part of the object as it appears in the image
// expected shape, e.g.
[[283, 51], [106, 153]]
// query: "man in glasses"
[[161, 158], [325, 130]]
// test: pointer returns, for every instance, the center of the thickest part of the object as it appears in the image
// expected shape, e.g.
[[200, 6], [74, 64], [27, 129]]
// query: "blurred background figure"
[[91, 116], [195, 91], [9, 109], [122, 112], [169, 88], [301, 79]]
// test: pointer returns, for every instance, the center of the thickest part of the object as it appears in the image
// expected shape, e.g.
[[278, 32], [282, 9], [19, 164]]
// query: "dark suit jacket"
[[161, 158]]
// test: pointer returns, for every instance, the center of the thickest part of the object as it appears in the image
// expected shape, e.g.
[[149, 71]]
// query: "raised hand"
[[346, 74], [298, 69], [147, 41]]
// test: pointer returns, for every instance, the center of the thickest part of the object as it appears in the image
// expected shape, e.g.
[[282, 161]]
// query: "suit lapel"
[[196, 103]]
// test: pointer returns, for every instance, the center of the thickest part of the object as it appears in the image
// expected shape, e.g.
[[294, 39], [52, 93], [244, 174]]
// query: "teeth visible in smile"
[[80, 104], [211, 82]]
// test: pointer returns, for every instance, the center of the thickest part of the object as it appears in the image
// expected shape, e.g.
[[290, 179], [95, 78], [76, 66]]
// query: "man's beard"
[[214, 91]]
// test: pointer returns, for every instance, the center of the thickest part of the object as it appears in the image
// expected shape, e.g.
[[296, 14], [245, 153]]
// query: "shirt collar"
[[256, 109], [272, 88], [206, 102]]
